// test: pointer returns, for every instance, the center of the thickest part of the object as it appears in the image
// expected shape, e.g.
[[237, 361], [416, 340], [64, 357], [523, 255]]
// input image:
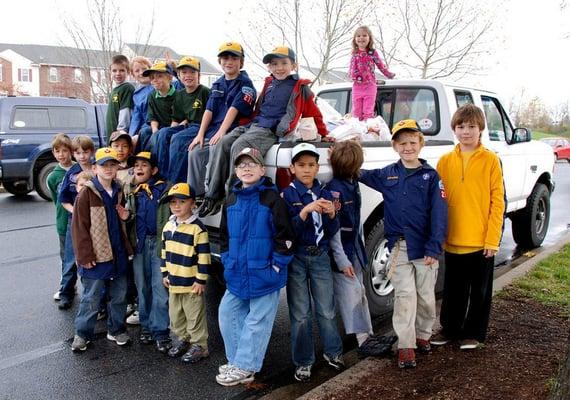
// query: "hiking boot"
[[133, 319], [197, 353], [145, 337], [79, 344], [373, 347], [439, 339], [470, 344], [210, 206], [406, 358], [56, 296], [234, 376], [121, 338], [223, 369], [335, 362], [179, 348], [303, 373], [164, 345], [423, 345]]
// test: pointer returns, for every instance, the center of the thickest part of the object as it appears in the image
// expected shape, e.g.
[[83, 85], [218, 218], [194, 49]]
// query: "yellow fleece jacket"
[[475, 199]]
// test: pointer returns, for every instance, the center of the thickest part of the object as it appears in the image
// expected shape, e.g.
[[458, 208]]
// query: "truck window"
[[49, 118], [462, 98], [498, 125], [339, 99], [418, 104]]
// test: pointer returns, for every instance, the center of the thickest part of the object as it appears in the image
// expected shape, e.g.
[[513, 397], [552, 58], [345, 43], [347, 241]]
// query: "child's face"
[[189, 77], [362, 39], [82, 156], [138, 69], [80, 184], [122, 147], [62, 155], [408, 146], [160, 81], [468, 134], [143, 171], [281, 68], [248, 171], [119, 73], [181, 208], [107, 171], [305, 169], [230, 65]]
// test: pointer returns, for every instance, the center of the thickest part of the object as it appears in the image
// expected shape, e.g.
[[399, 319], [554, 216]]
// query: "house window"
[[78, 75], [24, 75], [53, 75]]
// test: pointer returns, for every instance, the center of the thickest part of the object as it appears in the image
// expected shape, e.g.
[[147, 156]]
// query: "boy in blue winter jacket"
[[257, 246]]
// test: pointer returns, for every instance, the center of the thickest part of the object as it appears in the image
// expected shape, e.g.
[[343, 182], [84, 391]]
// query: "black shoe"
[[145, 337], [178, 349], [210, 206], [164, 345], [64, 304], [375, 348]]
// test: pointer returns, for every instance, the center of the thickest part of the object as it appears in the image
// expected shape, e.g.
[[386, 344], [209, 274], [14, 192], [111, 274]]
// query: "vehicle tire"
[[16, 190], [529, 225], [40, 180], [379, 289]]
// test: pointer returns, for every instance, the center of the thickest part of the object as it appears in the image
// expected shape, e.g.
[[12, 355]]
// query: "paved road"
[[35, 360]]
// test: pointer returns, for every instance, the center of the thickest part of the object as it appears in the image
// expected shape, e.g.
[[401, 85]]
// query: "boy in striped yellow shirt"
[[185, 261]]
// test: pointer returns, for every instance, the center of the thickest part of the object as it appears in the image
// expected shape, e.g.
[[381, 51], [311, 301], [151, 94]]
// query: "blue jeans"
[[246, 328], [153, 296], [162, 147], [178, 163], [68, 268], [311, 276], [89, 306], [144, 141]]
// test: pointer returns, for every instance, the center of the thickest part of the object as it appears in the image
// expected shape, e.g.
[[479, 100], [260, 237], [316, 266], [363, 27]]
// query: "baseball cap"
[[304, 148], [251, 152], [121, 134], [405, 125], [105, 154], [158, 66], [279, 52], [146, 156], [231, 48], [188, 61], [180, 191]]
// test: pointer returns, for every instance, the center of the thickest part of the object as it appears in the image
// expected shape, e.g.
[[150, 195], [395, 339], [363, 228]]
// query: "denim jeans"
[[178, 163], [246, 327], [311, 276], [89, 306], [162, 147], [68, 268], [144, 141], [153, 296]]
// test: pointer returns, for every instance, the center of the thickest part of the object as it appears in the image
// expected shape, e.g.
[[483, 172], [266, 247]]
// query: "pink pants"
[[363, 100]]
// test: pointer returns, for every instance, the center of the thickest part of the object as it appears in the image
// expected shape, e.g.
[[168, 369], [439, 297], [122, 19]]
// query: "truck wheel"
[[40, 180], [530, 224], [18, 190], [379, 289]]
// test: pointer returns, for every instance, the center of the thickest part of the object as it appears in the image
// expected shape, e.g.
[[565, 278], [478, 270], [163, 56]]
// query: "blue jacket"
[[256, 240], [140, 102], [415, 207], [297, 198], [67, 190]]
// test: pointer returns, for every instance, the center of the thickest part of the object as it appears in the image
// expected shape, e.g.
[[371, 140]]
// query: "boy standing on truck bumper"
[[473, 181]]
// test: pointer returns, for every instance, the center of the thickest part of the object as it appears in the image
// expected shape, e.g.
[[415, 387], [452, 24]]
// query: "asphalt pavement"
[[35, 359]]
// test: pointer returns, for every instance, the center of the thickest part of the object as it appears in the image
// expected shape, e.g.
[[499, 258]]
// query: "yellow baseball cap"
[[159, 66], [231, 48], [191, 62], [105, 154], [279, 52], [180, 191], [405, 125], [146, 156]]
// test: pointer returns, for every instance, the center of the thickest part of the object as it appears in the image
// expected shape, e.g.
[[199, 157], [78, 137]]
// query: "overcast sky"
[[536, 55]]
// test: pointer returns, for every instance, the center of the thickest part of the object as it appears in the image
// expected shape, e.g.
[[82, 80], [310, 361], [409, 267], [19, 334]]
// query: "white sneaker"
[[223, 369], [235, 376], [56, 296], [121, 339], [133, 319]]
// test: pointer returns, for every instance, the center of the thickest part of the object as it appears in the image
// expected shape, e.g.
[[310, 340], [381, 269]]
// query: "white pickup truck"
[[527, 165]]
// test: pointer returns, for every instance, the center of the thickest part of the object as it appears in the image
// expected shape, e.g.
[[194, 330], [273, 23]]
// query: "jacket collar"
[[302, 189], [478, 149]]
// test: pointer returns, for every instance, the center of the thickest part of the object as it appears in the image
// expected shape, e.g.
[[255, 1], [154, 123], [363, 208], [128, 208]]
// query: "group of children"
[[128, 207]]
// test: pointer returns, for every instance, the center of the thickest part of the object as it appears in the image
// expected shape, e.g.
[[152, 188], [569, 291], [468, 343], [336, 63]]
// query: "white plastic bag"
[[306, 131], [379, 127]]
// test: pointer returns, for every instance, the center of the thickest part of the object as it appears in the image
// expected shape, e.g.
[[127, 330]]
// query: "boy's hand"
[[198, 288], [429, 260], [123, 212], [198, 140], [313, 206], [89, 265], [488, 253], [166, 282], [327, 207], [217, 137], [327, 139], [349, 272]]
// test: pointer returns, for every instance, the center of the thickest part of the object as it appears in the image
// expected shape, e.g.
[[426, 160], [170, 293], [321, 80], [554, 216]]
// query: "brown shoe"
[[423, 345], [439, 339], [470, 344], [406, 358]]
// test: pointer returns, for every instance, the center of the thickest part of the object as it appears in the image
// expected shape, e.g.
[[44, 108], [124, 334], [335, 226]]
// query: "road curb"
[[369, 365]]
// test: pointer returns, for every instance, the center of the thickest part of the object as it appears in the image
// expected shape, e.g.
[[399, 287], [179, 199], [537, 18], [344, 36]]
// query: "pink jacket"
[[362, 63]]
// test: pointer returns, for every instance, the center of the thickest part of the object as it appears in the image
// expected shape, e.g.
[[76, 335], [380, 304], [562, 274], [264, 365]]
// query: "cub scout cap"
[[252, 153], [180, 191], [105, 154], [191, 62], [231, 48], [279, 52], [405, 125], [304, 148], [159, 66], [146, 156], [121, 134]]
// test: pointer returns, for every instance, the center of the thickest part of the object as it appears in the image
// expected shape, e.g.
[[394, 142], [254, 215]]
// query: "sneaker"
[[178, 349], [56, 296], [102, 314], [131, 308], [195, 354], [64, 305], [164, 345], [145, 337], [470, 344], [423, 345], [336, 362], [439, 339], [79, 344], [406, 358], [121, 338], [235, 376], [133, 319], [374, 347], [210, 206], [303, 373], [223, 369]]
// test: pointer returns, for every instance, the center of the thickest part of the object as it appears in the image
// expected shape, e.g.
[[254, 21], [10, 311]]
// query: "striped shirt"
[[185, 254]]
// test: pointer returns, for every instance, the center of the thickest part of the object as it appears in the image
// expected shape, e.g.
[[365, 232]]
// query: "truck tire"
[[17, 190], [529, 225], [379, 290], [40, 180]]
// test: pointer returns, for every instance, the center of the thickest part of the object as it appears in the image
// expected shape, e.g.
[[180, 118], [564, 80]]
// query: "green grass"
[[549, 281], [536, 135]]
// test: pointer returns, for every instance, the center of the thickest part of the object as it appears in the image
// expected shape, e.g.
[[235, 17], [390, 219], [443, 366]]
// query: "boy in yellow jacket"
[[473, 182]]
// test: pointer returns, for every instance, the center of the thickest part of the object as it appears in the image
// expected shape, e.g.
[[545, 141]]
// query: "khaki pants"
[[188, 317], [414, 297]]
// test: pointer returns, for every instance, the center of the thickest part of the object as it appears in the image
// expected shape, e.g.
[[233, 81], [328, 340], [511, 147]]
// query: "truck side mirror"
[[521, 135]]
